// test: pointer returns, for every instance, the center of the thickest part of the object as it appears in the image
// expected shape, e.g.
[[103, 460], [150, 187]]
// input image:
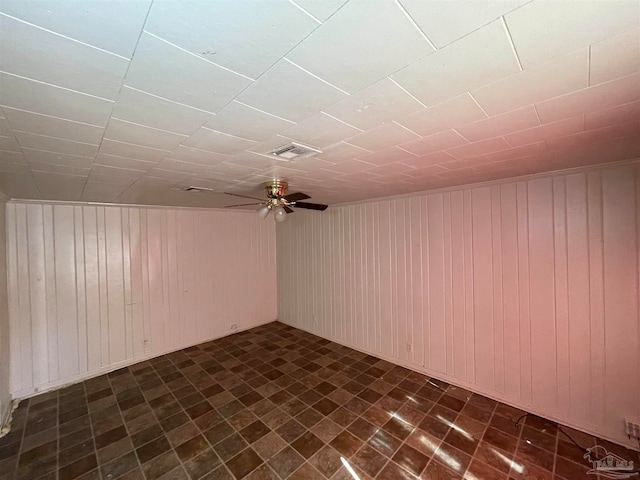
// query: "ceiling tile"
[[253, 160], [179, 166], [74, 66], [246, 37], [101, 192], [378, 103], [433, 143], [171, 73], [478, 59], [351, 166], [604, 95], [166, 174], [57, 158], [452, 113], [145, 109], [194, 155], [627, 113], [18, 168], [342, 151], [479, 148], [120, 181], [124, 162], [116, 172], [386, 135], [535, 84], [15, 185], [546, 132], [244, 121], [391, 169], [320, 130], [444, 21], [429, 159], [52, 144], [9, 144], [36, 97], [53, 127], [217, 142], [129, 132], [500, 124], [615, 57], [54, 186], [289, 92], [51, 168], [12, 157], [122, 149], [350, 51], [113, 26], [387, 155], [542, 31]]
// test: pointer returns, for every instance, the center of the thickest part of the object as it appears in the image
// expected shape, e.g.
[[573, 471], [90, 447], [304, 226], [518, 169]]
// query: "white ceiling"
[[130, 100]]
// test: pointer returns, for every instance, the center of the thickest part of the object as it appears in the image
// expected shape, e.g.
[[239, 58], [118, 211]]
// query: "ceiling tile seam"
[[200, 150], [315, 76], [407, 129], [535, 110], [405, 90], [415, 25], [55, 138], [136, 145], [407, 151], [228, 135], [461, 135], [263, 111], [56, 153], [479, 106], [168, 100], [352, 145], [50, 116], [119, 156], [65, 37], [198, 56], [305, 12], [56, 86], [147, 126], [341, 121], [513, 46]]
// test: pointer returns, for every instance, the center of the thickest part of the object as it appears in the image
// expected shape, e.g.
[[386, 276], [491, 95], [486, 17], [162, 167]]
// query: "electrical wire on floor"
[[580, 447]]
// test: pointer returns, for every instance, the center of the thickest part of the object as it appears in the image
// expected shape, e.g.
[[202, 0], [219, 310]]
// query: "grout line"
[[315, 76], [56, 86], [50, 116], [407, 129], [55, 138], [513, 46], [168, 100], [65, 37], [197, 56], [341, 121], [479, 106], [305, 12], [589, 66], [407, 92], [147, 126], [413, 22], [262, 111], [229, 135]]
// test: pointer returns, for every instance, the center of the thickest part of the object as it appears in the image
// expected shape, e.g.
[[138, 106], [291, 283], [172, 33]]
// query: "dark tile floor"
[[275, 402]]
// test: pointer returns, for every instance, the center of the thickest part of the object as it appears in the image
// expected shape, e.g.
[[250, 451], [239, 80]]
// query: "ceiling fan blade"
[[242, 205], [294, 197], [311, 206], [287, 209], [243, 196]]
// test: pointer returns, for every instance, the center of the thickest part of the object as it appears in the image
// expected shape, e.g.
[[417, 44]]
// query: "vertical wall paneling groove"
[[524, 291], [94, 287]]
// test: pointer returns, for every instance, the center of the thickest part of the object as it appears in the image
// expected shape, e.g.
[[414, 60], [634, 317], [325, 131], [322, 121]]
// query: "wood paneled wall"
[[526, 291], [5, 397], [94, 287]]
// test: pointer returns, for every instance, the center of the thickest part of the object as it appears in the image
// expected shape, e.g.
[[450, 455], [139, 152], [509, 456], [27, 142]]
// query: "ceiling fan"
[[278, 201]]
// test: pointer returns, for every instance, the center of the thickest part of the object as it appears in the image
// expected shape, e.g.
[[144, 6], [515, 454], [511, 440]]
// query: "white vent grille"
[[197, 189], [293, 151]]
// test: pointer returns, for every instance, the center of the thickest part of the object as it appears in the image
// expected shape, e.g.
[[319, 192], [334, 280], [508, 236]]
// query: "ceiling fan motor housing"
[[276, 189]]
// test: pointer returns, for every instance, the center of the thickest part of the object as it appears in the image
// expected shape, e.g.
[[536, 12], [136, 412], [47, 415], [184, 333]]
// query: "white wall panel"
[[96, 287], [5, 397], [525, 291]]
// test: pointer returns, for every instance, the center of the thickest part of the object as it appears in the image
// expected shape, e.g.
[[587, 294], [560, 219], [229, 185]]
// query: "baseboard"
[[632, 445], [81, 377]]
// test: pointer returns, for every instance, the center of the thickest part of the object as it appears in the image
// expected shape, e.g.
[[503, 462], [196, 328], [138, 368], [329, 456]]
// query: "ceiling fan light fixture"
[[263, 211], [280, 213]]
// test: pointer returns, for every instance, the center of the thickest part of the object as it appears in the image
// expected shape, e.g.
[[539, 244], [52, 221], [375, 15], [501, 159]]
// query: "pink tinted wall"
[[524, 291]]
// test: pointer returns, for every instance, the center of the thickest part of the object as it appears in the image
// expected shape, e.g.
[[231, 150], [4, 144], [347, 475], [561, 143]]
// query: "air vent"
[[294, 151], [197, 189]]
